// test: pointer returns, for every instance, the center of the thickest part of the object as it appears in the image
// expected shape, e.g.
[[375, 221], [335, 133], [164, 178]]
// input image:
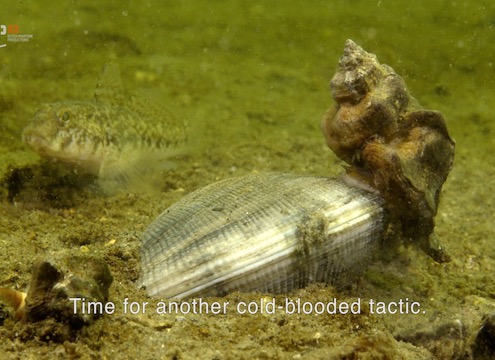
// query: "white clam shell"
[[271, 232]]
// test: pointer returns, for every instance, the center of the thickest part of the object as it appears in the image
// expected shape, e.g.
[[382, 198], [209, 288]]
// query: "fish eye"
[[64, 118]]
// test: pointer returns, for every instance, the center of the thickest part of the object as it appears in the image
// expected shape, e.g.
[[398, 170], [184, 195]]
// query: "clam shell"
[[269, 232]]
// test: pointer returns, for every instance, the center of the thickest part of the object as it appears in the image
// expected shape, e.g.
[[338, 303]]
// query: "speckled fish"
[[111, 137]]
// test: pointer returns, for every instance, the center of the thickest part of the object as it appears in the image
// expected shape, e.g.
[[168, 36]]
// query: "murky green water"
[[251, 80]]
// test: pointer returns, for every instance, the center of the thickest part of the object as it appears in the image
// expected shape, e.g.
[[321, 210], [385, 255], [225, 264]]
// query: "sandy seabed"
[[251, 80]]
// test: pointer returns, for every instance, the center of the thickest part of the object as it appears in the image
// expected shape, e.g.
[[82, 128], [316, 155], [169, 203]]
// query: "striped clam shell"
[[270, 232]]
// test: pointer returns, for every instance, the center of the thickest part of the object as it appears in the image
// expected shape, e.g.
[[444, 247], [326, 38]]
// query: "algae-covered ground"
[[251, 80]]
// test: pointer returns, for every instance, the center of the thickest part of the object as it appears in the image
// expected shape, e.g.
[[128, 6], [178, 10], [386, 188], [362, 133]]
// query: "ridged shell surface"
[[270, 232]]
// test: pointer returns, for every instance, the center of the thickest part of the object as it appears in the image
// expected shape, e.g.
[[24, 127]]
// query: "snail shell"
[[270, 232], [391, 143]]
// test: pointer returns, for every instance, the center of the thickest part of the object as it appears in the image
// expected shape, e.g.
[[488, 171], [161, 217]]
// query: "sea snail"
[[391, 143], [277, 232]]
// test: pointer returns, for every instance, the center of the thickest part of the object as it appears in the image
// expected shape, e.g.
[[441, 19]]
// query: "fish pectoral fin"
[[137, 169]]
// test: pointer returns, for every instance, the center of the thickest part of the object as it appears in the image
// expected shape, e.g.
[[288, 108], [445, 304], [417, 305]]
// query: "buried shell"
[[269, 232]]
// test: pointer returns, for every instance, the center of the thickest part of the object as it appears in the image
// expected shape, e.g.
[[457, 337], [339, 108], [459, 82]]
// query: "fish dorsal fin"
[[109, 87]]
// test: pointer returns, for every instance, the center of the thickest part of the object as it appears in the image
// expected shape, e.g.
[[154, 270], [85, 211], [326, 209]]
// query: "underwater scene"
[[247, 180]]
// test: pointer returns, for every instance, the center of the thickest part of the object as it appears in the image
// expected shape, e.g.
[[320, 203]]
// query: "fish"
[[120, 140]]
